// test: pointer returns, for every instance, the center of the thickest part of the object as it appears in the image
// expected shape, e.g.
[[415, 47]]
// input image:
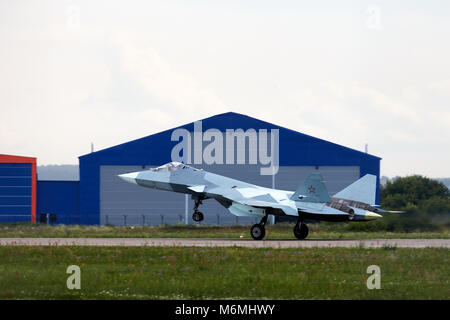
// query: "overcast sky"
[[351, 72]]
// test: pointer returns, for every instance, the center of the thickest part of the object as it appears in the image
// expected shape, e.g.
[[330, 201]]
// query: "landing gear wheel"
[[301, 231], [351, 215], [197, 216], [258, 231]]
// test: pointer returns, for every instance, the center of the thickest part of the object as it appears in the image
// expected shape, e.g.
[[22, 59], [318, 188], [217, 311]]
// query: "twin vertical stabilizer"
[[312, 190], [363, 190]]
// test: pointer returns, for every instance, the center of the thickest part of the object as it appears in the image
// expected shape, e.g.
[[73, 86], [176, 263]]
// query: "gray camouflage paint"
[[310, 201]]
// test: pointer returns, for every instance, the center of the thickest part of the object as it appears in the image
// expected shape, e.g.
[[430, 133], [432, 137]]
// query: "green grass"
[[222, 273], [278, 231]]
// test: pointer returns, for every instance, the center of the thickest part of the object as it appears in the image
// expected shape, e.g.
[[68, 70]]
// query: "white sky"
[[352, 72]]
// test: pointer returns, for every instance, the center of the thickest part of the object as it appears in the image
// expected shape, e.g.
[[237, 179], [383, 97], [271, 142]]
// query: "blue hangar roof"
[[295, 149]]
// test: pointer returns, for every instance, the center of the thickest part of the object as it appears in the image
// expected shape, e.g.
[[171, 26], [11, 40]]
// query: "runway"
[[186, 242]]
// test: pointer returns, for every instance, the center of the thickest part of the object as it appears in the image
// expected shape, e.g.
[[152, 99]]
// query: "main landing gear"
[[197, 216], [301, 230], [258, 231]]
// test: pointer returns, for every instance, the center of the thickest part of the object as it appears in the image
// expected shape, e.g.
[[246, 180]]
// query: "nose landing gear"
[[197, 216], [258, 231]]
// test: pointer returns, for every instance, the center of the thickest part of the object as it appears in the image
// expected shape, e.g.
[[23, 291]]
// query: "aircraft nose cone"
[[129, 177], [372, 215]]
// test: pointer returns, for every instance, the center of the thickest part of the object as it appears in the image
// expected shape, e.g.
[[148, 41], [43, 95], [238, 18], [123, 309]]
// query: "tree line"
[[426, 203]]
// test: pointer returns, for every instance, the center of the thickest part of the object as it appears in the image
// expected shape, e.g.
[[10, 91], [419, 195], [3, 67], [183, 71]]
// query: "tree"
[[412, 191]]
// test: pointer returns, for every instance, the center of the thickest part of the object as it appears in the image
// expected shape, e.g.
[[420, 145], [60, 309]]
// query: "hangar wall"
[[106, 199], [17, 189], [60, 198]]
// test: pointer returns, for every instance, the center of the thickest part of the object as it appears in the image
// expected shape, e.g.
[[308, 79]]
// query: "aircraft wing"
[[251, 200], [247, 197], [289, 207], [256, 201], [293, 209]]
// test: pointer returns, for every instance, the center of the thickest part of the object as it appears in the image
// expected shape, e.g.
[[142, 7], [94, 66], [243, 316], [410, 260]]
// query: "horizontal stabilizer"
[[389, 211], [363, 190], [312, 190]]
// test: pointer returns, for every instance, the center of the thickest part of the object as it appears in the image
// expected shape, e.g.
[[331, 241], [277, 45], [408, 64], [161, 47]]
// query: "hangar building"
[[230, 144], [17, 188]]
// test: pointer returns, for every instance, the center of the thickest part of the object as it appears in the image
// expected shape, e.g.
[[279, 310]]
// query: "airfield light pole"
[[186, 204], [272, 217]]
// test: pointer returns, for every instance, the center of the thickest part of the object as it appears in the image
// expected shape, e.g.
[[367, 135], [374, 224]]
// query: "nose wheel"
[[258, 231], [197, 216]]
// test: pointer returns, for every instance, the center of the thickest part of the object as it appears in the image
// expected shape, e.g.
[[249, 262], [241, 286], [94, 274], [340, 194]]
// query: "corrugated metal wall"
[[15, 192], [126, 203]]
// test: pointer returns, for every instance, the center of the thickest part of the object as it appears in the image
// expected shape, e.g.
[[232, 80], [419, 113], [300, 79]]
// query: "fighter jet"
[[310, 201], [359, 199]]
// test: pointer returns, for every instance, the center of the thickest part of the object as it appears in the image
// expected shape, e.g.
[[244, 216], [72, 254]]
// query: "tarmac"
[[188, 242]]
